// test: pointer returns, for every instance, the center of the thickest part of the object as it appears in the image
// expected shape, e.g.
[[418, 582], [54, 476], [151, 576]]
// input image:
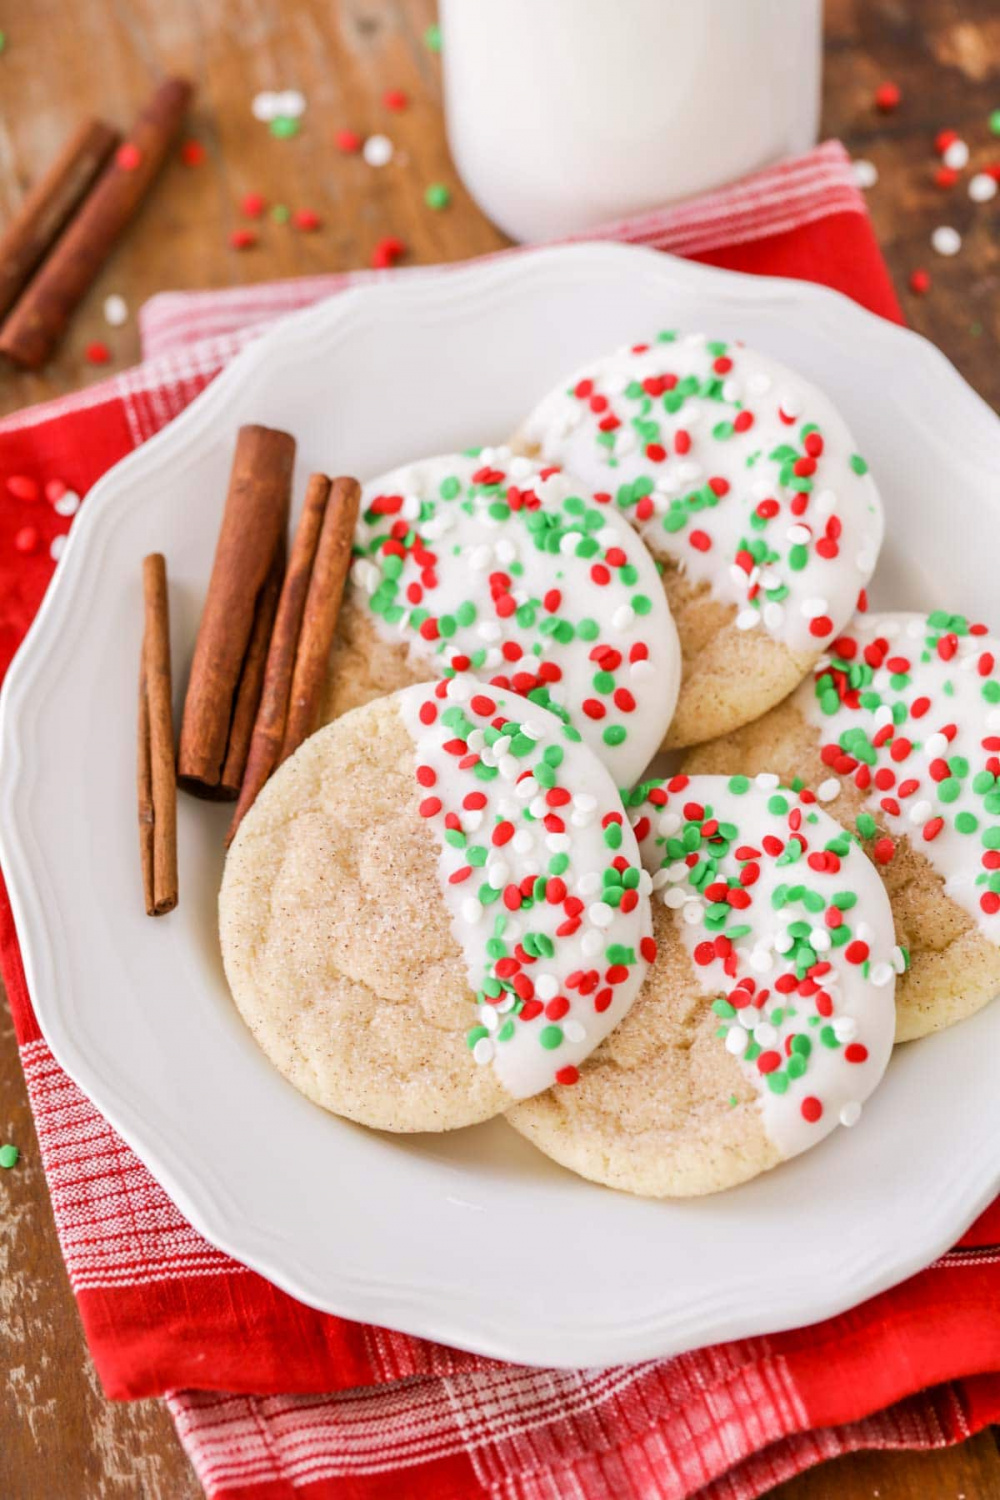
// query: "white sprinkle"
[[639, 671], [673, 897], [813, 608], [497, 873], [264, 106], [507, 1003], [784, 942], [845, 1028], [899, 960], [623, 617], [883, 716], [982, 187], [761, 961], [693, 910], [591, 944], [377, 150], [601, 914], [865, 172], [669, 823], [759, 383], [69, 503], [850, 1114], [546, 986], [767, 781], [645, 883], [935, 745], [828, 789], [747, 619], [825, 503], [480, 557], [736, 1040], [589, 884], [956, 156], [789, 404], [881, 974], [57, 546], [472, 910], [523, 841], [920, 811], [946, 240], [765, 1034], [573, 1031], [115, 310], [520, 467], [799, 535], [484, 1051], [505, 551], [820, 940], [773, 614]]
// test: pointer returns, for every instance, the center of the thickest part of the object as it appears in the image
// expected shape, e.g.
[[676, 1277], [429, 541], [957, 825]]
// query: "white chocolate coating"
[[529, 584], [540, 872], [808, 1014]]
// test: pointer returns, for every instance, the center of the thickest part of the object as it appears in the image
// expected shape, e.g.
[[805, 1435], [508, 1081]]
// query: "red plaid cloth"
[[376, 1414]]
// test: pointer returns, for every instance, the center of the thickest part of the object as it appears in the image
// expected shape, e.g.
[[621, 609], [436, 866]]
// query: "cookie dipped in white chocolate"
[[746, 482], [767, 1017]]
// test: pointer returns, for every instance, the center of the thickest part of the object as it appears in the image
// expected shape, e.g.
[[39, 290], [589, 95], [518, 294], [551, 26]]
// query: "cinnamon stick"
[[39, 319], [157, 788], [254, 523], [269, 726], [319, 620], [252, 675], [50, 204]]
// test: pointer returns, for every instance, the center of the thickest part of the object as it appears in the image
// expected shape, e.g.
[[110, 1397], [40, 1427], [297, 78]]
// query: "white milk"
[[566, 113]]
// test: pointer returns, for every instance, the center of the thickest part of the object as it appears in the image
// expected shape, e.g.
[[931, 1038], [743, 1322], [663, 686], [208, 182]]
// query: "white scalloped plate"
[[473, 1238]]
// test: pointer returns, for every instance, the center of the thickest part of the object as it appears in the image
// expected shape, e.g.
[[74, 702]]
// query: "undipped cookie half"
[[767, 1016], [899, 732], [744, 481], [435, 908], [486, 563]]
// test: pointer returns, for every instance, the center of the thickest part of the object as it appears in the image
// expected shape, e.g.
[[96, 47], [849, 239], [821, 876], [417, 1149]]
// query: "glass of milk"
[[565, 114]]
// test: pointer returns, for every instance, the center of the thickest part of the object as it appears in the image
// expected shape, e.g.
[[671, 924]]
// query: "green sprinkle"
[[615, 734], [858, 464], [738, 785], [966, 822], [866, 825], [550, 1037], [437, 196], [8, 1154], [995, 122], [432, 37], [284, 127], [281, 213], [475, 1035]]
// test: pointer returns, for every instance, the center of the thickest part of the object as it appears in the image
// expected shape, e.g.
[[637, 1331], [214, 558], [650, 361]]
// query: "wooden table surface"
[[59, 1439]]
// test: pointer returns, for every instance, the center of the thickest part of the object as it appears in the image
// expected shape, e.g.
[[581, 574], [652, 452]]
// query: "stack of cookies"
[[467, 896]]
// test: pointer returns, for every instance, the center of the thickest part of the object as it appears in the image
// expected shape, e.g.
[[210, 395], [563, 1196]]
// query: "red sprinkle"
[[887, 97], [387, 252], [395, 99], [97, 353], [920, 282], [812, 1109], [128, 156], [243, 239], [306, 219], [347, 141], [252, 205], [192, 153]]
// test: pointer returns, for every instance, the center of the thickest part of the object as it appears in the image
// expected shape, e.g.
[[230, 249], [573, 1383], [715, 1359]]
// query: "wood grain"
[[58, 1437]]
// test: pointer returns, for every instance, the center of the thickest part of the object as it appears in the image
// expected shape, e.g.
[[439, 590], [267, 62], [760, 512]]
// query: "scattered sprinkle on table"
[[192, 153], [268, 106], [887, 97], [8, 1154], [437, 196], [242, 239], [27, 539], [23, 487], [280, 213], [97, 353], [3, 40], [128, 156], [432, 41], [994, 122], [252, 205], [306, 219], [396, 100], [347, 141], [284, 127], [377, 150], [956, 155], [946, 240], [920, 282], [865, 173], [115, 310], [982, 187], [387, 252], [943, 140], [945, 177]]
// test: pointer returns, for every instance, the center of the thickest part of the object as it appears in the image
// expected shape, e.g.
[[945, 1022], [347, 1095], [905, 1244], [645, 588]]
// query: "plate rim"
[[423, 1311]]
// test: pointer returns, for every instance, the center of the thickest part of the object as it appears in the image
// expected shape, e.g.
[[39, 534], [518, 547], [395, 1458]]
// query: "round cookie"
[[899, 732], [767, 1016], [486, 563], [435, 908], [745, 483]]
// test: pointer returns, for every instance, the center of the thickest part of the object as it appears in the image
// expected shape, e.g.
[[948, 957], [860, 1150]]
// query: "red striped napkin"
[[273, 1400]]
